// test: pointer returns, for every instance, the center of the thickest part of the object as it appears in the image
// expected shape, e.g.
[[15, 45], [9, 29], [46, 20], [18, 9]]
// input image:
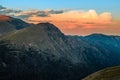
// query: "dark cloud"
[[29, 13], [38, 13], [43, 15], [22, 16], [1, 7], [55, 11], [9, 11], [26, 14]]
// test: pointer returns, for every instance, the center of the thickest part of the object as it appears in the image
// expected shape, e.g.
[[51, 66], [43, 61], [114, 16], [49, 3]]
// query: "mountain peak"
[[97, 35], [9, 24], [4, 18], [45, 23], [48, 27], [17, 23]]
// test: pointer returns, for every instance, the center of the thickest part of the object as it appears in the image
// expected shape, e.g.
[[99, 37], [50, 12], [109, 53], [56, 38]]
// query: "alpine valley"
[[42, 52]]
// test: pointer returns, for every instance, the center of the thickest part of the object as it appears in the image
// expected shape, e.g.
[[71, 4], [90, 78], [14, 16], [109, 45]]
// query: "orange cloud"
[[72, 18], [89, 16], [80, 22]]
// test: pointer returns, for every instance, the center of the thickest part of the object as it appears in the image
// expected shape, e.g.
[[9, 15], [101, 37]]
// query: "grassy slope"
[[112, 73]]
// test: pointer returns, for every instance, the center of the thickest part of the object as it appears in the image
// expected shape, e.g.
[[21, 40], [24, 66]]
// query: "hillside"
[[43, 50], [9, 24], [112, 73]]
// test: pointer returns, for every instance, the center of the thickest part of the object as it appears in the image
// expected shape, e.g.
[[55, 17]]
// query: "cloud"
[[7, 11], [29, 13], [89, 16], [64, 16], [1, 7], [79, 22], [73, 18], [69, 21]]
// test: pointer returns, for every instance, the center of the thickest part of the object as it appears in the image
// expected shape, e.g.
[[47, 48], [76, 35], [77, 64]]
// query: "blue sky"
[[112, 6], [60, 4]]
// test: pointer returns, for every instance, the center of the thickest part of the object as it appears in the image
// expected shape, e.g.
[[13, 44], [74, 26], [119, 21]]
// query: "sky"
[[72, 17]]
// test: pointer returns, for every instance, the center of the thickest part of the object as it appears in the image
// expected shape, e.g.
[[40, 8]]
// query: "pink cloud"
[[80, 22], [74, 18]]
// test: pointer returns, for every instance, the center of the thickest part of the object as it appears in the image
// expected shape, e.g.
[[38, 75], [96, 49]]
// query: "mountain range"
[[42, 52]]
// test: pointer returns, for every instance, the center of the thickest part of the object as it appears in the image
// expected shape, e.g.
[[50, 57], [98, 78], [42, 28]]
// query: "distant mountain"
[[106, 44], [112, 73], [100, 39], [54, 56], [8, 24]]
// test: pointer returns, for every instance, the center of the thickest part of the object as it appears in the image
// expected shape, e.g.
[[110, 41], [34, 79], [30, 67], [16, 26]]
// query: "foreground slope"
[[112, 73]]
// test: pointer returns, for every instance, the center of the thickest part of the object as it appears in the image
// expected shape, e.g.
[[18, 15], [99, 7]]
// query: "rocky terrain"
[[43, 52]]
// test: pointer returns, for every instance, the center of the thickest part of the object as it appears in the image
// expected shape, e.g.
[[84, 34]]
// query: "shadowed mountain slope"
[[63, 57], [8, 24]]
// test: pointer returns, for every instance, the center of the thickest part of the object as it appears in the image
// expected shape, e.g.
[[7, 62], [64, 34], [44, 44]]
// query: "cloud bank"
[[69, 21]]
